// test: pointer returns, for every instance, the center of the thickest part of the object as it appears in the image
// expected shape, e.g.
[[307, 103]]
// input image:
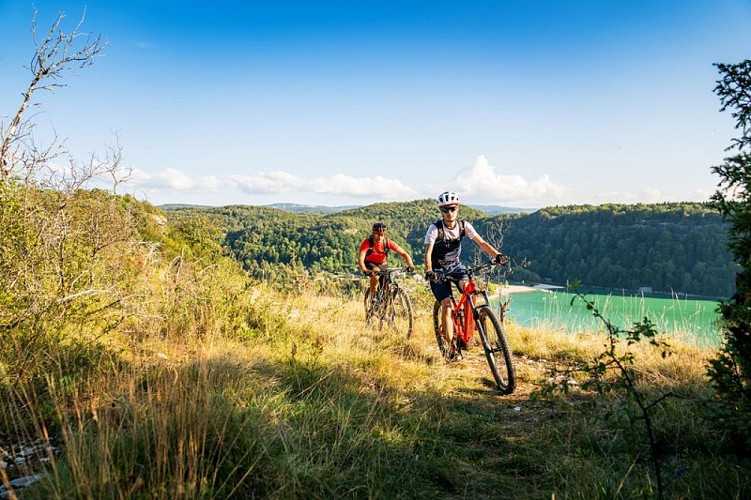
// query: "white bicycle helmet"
[[448, 198]]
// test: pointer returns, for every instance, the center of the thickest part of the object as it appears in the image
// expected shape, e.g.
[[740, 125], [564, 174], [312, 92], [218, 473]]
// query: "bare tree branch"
[[57, 54]]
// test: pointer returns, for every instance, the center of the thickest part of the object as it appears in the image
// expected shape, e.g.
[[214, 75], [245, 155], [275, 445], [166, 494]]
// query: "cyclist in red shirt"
[[373, 253]]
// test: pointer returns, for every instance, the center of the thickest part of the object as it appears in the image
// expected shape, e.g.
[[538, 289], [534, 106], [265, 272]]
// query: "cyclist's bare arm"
[[361, 262], [428, 252], [485, 246], [404, 255]]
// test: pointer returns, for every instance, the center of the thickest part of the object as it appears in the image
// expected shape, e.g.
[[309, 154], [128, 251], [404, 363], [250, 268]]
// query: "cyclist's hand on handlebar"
[[501, 259], [368, 273], [429, 275], [410, 269]]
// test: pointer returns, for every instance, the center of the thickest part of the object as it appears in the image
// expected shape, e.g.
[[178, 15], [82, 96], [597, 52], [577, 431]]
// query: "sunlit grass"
[[305, 399]]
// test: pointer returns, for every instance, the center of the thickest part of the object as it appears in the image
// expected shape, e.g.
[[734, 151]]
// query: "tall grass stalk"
[[303, 399]]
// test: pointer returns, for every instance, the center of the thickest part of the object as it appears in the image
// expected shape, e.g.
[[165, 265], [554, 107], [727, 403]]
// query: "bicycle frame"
[[386, 279], [467, 315], [467, 303]]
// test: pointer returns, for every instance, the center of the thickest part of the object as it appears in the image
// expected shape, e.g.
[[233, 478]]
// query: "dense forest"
[[680, 248], [675, 247]]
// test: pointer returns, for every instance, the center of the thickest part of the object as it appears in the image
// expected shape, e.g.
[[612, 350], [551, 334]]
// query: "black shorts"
[[442, 289], [373, 265]]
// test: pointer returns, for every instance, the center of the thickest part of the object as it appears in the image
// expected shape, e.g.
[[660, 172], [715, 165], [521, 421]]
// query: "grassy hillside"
[[138, 360], [306, 401]]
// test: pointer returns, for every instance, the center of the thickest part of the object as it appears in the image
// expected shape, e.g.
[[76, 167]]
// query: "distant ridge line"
[[327, 209]]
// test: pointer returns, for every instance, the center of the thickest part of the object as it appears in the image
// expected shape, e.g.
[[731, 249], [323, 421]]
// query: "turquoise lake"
[[694, 321]]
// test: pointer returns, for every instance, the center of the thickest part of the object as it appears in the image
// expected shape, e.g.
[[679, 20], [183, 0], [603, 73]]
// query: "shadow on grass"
[[225, 426]]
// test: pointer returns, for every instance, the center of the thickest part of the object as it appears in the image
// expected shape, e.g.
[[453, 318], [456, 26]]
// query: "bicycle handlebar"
[[391, 270], [442, 275]]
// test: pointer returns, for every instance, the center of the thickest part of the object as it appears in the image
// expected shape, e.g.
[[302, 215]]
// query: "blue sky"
[[519, 103]]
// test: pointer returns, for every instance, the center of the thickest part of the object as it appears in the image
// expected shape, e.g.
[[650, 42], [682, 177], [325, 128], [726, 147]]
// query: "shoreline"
[[513, 289], [509, 289]]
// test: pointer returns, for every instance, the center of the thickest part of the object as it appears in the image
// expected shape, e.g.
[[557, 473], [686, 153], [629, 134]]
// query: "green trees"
[[677, 246], [731, 371], [673, 246]]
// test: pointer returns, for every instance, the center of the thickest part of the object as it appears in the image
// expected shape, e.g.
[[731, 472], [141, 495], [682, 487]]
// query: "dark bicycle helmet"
[[379, 228]]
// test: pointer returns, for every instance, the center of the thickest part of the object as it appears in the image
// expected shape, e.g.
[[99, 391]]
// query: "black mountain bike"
[[391, 306]]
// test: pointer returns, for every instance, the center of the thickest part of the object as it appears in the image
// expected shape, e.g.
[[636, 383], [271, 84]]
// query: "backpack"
[[371, 242], [442, 234]]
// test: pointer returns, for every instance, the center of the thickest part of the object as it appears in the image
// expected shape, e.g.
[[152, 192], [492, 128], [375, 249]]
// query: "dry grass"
[[306, 400]]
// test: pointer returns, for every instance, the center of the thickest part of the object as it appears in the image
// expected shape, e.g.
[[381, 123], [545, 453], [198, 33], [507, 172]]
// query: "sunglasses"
[[446, 210]]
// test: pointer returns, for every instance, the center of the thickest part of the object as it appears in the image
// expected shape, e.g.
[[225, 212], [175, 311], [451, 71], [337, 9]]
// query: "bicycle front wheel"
[[368, 303], [398, 312], [497, 349]]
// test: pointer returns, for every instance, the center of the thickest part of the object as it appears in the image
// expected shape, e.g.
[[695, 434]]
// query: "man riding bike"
[[373, 254], [443, 247]]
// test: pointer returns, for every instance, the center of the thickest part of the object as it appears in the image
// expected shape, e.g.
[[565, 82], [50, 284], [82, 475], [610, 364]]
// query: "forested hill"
[[668, 247], [678, 247]]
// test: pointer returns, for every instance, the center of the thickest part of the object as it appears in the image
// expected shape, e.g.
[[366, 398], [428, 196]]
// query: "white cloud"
[[601, 197], [648, 194], [277, 182], [703, 194], [211, 183], [482, 184], [268, 183], [172, 179], [653, 194], [337, 184], [361, 187]]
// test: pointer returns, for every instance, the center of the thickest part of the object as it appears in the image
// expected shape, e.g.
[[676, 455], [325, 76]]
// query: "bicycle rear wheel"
[[497, 349], [397, 313], [443, 343]]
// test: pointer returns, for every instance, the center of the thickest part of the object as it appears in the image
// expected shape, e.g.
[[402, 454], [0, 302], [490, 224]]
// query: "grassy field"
[[307, 401]]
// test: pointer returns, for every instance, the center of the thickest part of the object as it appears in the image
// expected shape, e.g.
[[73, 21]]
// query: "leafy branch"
[[613, 370]]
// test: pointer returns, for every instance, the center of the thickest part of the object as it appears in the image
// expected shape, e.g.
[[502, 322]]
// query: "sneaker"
[[454, 355]]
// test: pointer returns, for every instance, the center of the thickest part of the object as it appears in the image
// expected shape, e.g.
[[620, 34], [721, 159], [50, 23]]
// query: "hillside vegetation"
[[680, 247], [141, 361]]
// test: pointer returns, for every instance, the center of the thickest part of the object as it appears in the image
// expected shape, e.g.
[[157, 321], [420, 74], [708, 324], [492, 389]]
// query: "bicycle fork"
[[480, 327]]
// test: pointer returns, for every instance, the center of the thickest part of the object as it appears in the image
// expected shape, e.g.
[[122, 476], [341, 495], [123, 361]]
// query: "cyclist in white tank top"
[[443, 247]]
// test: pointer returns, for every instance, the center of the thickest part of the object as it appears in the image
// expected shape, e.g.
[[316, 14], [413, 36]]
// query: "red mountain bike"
[[467, 315]]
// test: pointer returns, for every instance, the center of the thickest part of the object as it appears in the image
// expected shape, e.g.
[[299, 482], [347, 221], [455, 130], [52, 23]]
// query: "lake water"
[[691, 320]]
